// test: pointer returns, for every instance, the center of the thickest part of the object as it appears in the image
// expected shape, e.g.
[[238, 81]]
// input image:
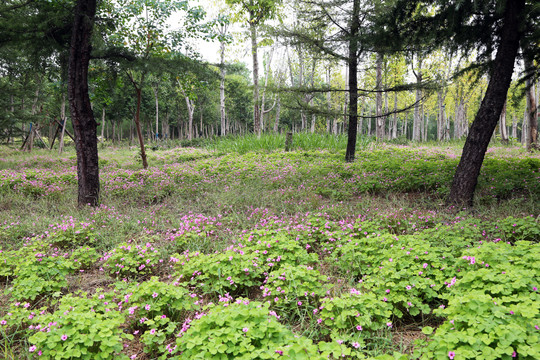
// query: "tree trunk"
[[353, 83], [524, 126], [502, 125], [222, 88], [466, 176], [440, 119], [532, 115], [263, 97], [370, 120], [418, 112], [328, 102], [514, 126], [103, 124], [256, 113], [404, 125], [156, 97], [138, 127], [278, 110], [379, 122], [84, 124], [63, 119], [394, 127]]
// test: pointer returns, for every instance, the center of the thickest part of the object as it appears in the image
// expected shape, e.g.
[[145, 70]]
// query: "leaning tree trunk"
[[84, 124], [466, 176], [353, 83]]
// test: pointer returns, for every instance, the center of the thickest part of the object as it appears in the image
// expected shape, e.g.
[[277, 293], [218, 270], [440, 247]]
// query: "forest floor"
[[267, 254]]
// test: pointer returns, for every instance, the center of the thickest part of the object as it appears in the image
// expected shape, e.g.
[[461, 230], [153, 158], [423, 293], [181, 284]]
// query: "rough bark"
[[353, 83], [532, 115], [466, 176], [84, 124]]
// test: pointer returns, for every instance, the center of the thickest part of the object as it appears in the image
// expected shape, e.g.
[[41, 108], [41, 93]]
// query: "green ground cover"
[[235, 254]]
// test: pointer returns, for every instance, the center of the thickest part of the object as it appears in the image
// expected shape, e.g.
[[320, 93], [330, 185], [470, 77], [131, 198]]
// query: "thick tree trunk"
[[466, 176], [84, 124], [532, 115], [353, 83], [256, 112]]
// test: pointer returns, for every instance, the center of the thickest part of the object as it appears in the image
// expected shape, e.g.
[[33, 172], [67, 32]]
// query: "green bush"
[[243, 330], [80, 328]]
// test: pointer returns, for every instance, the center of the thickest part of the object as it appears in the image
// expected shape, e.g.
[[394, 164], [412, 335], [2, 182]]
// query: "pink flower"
[[63, 337], [359, 328], [451, 354], [514, 354], [153, 331], [299, 303], [389, 324], [356, 345], [154, 295], [32, 348], [147, 307], [388, 291], [245, 329], [319, 320], [279, 352]]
